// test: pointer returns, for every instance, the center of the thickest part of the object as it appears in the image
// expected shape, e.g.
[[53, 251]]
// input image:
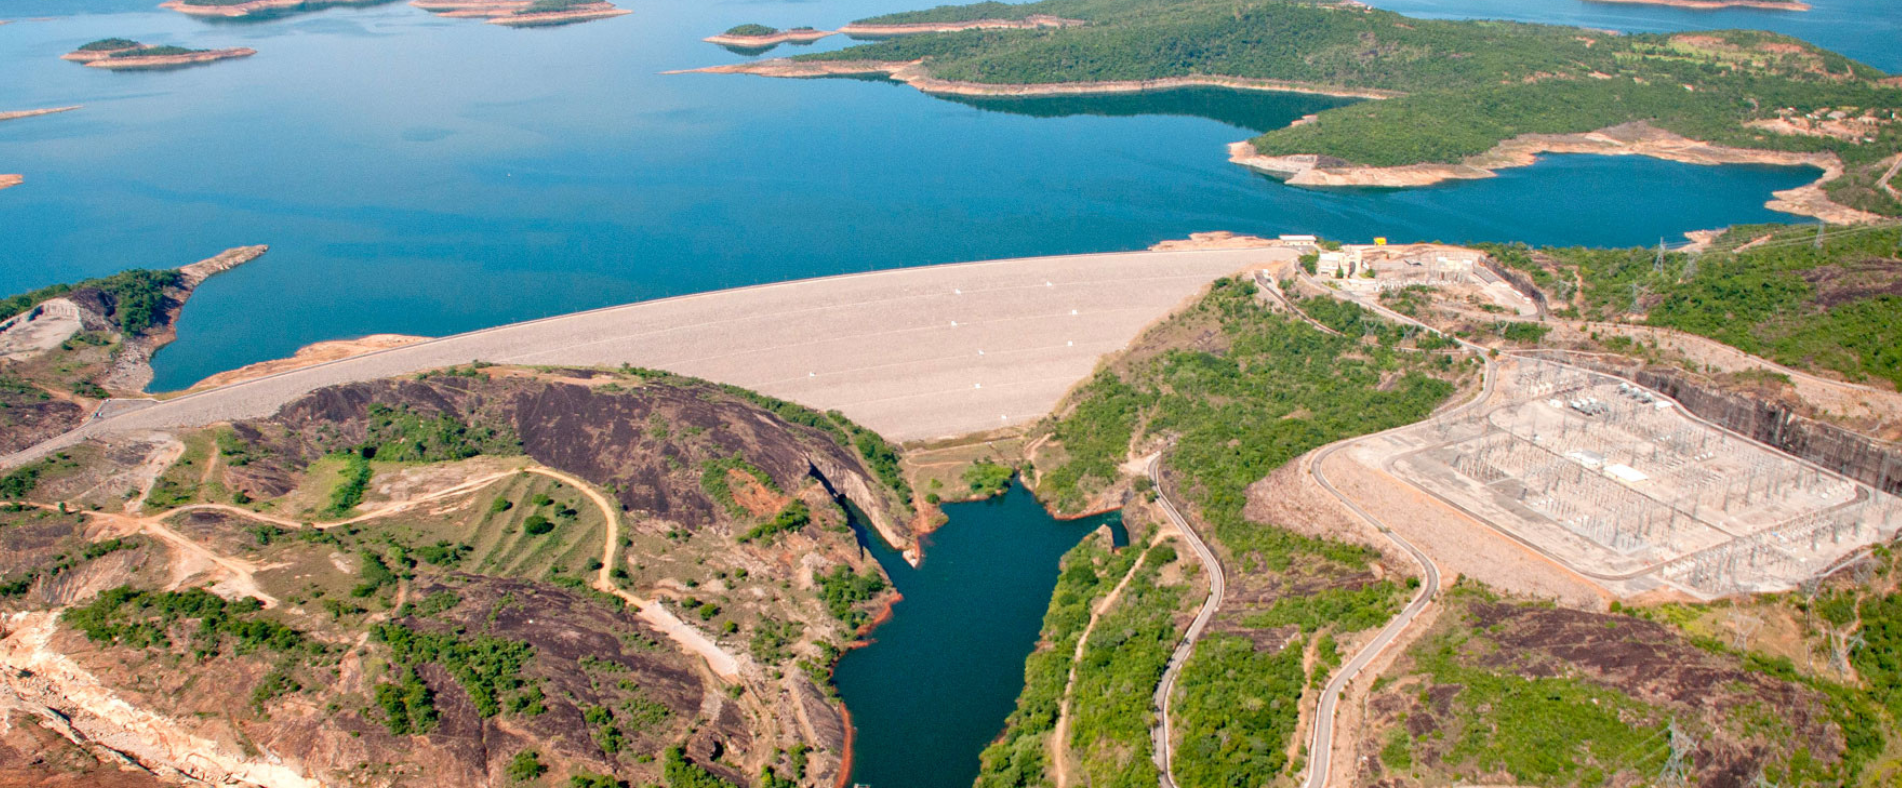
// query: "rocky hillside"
[[484, 576]]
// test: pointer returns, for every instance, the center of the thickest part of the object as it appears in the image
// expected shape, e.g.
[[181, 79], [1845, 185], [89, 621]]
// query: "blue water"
[[422, 175], [934, 686]]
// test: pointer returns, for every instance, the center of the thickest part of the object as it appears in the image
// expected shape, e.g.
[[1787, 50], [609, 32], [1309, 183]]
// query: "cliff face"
[[1767, 421]]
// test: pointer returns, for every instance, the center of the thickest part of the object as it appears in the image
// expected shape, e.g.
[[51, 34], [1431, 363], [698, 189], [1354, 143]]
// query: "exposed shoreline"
[[913, 74], [104, 59], [308, 355], [1636, 138], [10, 181], [7, 115], [910, 28], [507, 12], [1712, 5], [254, 7], [131, 369], [807, 36]]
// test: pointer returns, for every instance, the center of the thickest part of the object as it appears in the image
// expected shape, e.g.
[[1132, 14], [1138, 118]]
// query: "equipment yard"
[[1624, 488]]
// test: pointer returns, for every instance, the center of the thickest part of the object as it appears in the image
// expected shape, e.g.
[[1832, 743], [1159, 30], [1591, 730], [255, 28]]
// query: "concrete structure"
[[1367, 270], [914, 353]]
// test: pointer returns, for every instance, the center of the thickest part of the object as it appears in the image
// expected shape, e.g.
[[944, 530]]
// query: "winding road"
[[1321, 744], [1162, 734]]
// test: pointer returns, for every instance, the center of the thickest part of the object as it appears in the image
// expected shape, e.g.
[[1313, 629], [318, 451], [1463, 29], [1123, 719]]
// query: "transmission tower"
[[1743, 626], [1677, 768]]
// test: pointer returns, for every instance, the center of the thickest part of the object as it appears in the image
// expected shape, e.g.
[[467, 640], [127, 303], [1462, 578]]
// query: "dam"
[[914, 354]]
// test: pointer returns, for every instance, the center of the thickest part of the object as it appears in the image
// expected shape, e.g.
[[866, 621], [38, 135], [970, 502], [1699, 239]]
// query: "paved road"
[[913, 353], [1321, 746], [1218, 585]]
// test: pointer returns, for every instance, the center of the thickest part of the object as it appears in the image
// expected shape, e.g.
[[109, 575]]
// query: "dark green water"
[[936, 683]]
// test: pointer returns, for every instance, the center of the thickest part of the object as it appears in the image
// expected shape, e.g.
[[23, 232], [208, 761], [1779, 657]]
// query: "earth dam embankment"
[[914, 353]]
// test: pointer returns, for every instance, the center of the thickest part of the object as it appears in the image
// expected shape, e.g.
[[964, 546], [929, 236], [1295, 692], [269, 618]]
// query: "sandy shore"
[[581, 14], [7, 115], [162, 62], [802, 37], [914, 74], [10, 181], [308, 355], [1712, 5], [1635, 138], [907, 29], [507, 12], [94, 55]]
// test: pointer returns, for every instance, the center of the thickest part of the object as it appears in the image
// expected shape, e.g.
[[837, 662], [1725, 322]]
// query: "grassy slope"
[[1828, 310], [1514, 691], [1267, 390], [1469, 84]]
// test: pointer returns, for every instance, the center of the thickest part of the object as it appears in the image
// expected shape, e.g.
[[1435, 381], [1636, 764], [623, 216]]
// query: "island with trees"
[[257, 9], [126, 54], [1456, 99], [523, 13], [764, 37]]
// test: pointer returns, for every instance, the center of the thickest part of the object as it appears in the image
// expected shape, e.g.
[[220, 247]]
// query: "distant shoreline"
[[254, 7], [1713, 5], [910, 28], [1637, 138], [913, 74]]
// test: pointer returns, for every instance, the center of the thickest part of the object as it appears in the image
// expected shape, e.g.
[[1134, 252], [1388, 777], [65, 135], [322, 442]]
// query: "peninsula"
[[1448, 91], [66, 349], [7, 115], [523, 13], [232, 9], [10, 181], [125, 54], [761, 36]]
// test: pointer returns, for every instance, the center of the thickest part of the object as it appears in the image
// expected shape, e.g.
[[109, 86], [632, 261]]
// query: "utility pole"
[[1819, 233], [1658, 265]]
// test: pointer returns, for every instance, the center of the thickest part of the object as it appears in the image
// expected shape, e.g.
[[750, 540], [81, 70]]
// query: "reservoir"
[[425, 175], [934, 686]]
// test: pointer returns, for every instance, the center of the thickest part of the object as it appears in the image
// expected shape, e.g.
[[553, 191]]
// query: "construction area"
[[1625, 488], [1370, 270]]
